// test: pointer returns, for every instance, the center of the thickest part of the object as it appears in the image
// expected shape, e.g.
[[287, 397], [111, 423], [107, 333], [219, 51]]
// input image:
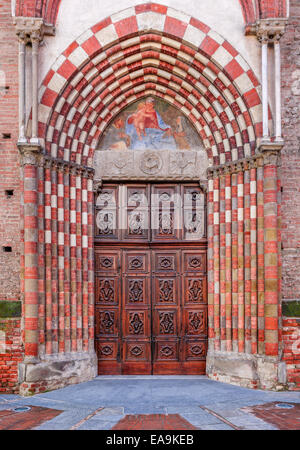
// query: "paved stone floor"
[[172, 402]]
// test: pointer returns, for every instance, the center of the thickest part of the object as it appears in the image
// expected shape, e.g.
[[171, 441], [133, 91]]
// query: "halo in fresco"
[[150, 124]]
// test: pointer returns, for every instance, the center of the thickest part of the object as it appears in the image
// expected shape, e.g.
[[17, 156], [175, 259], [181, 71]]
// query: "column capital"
[[270, 152], [32, 28], [30, 154], [270, 30]]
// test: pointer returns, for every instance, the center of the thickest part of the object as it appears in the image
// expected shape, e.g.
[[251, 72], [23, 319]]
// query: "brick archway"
[[150, 50], [179, 59]]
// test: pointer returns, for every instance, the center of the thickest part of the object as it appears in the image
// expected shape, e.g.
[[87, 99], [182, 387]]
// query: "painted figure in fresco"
[[147, 130], [180, 135], [117, 130], [142, 127]]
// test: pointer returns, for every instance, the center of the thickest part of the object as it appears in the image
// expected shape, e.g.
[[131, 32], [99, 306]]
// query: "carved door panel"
[[151, 288], [194, 311], [136, 312], [166, 213], [107, 214], [108, 311], [135, 212], [166, 311]]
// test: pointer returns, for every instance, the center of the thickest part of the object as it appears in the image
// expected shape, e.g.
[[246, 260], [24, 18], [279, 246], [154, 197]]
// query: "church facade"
[[150, 219]]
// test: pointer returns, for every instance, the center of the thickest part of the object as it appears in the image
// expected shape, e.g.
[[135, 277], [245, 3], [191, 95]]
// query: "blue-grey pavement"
[[121, 395]]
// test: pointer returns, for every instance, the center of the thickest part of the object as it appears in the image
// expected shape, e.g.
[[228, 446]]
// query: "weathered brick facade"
[[9, 165], [253, 194], [11, 354]]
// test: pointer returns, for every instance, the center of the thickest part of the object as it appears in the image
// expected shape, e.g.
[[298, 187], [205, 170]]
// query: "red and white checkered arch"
[[150, 50]]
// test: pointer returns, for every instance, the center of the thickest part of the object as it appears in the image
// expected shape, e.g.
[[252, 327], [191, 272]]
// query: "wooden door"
[[108, 320], [136, 312], [151, 290]]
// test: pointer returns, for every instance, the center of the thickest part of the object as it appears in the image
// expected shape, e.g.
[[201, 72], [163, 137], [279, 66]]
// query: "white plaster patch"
[[170, 42], [222, 57], [209, 74], [215, 36], [243, 83], [229, 130], [151, 21], [50, 132], [78, 57], [84, 36], [244, 65], [247, 150], [57, 83], [84, 242], [63, 138], [84, 218], [178, 15], [256, 113], [253, 212], [193, 35], [44, 112], [48, 237], [59, 61], [107, 35], [129, 12]]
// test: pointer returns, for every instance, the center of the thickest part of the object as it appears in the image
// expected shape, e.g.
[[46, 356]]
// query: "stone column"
[[35, 37], [278, 135], [264, 82], [30, 30], [22, 50], [269, 32], [30, 156]]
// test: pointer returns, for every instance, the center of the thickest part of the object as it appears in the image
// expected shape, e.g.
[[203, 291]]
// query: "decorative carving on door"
[[136, 324], [196, 350], [136, 263], [165, 262], [106, 350], [195, 263], [106, 263], [195, 291], [136, 223], [106, 292], [166, 223], [166, 351], [151, 283], [166, 321], [107, 320], [166, 291], [136, 291], [196, 323], [105, 223], [136, 350]]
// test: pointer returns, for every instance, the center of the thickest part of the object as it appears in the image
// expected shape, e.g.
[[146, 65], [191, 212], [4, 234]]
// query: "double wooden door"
[[151, 310], [151, 292]]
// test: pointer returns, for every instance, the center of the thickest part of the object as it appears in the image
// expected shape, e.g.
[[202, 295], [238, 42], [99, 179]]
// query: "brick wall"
[[10, 354], [291, 156], [291, 354], [9, 161], [290, 48]]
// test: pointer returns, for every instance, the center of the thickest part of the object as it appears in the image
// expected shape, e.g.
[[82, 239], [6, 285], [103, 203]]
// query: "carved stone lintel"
[[270, 30]]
